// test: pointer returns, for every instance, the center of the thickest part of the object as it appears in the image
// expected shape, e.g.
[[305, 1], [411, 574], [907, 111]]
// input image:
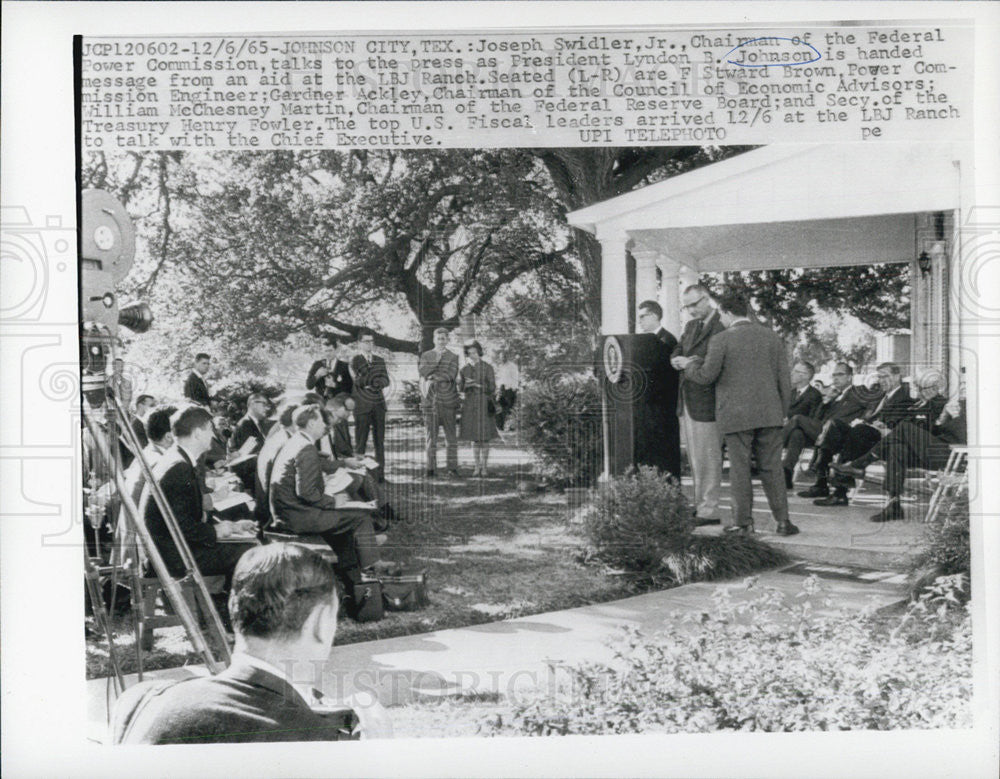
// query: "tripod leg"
[[103, 622]]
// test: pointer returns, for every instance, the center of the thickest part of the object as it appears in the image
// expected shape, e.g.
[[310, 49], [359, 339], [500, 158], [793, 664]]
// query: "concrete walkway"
[[506, 657]]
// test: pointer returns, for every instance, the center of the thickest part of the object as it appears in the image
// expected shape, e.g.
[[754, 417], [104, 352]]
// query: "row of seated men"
[[852, 427], [286, 478]]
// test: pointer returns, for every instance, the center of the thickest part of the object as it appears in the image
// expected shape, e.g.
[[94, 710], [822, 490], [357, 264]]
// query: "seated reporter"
[[284, 611], [336, 449], [177, 477], [298, 500], [279, 433], [922, 441]]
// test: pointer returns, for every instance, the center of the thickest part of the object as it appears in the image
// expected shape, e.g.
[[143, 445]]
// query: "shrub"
[[770, 664], [642, 523], [638, 519], [410, 396], [233, 396], [947, 540], [561, 420]]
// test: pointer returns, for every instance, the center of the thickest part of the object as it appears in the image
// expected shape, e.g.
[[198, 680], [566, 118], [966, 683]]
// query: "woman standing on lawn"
[[478, 381]]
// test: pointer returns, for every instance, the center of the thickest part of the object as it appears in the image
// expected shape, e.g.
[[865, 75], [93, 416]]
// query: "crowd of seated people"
[[850, 427]]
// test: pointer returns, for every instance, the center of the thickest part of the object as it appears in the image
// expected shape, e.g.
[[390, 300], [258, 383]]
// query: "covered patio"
[[803, 206]]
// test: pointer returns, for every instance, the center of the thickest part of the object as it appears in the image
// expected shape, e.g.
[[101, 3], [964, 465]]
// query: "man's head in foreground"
[[283, 604]]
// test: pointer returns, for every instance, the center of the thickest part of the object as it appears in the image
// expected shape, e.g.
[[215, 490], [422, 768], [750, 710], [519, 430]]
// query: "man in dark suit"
[[144, 404], [331, 375], [806, 399], [176, 476], [438, 370], [922, 440], [281, 431], [196, 386], [848, 404], [749, 368], [850, 440], [663, 391], [299, 501], [696, 406], [371, 378], [284, 611], [254, 424]]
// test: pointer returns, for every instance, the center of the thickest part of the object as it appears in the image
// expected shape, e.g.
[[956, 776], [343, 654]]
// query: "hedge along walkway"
[[490, 554]]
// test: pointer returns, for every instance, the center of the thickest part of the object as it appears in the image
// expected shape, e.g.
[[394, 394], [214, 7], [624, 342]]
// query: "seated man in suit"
[[299, 501], [850, 440], [284, 611], [806, 399], [254, 424], [800, 431], [335, 447], [922, 440], [181, 487]]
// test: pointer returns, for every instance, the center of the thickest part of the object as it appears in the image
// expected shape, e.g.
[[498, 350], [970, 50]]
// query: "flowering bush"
[[771, 664], [947, 540]]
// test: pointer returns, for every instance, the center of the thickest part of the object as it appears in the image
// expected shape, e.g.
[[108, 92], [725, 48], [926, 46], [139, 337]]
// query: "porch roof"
[[787, 206]]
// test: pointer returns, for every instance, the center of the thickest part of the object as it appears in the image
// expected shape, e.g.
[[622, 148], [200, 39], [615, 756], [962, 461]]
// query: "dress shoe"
[[786, 529], [739, 530], [891, 512], [816, 491], [837, 499], [699, 522], [846, 469]]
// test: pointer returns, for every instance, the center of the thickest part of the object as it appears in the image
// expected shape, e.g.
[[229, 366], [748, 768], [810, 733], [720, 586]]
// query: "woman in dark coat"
[[478, 381]]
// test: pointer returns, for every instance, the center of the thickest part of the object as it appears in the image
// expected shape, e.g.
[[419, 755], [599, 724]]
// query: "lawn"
[[490, 551]]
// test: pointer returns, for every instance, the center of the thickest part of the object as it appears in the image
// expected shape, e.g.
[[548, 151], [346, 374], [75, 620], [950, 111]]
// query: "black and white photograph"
[[576, 392]]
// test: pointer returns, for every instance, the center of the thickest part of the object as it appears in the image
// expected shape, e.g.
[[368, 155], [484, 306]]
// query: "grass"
[[490, 553]]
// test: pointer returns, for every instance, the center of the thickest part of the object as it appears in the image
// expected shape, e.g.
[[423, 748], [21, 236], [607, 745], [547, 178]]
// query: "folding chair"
[[949, 482]]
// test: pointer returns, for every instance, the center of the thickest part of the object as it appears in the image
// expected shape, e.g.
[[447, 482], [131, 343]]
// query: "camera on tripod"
[[107, 250]]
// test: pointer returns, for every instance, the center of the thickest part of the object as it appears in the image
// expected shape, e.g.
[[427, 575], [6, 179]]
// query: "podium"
[[639, 388]]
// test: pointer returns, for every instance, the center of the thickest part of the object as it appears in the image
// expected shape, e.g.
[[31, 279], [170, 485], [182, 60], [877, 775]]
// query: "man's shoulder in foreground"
[[240, 705]]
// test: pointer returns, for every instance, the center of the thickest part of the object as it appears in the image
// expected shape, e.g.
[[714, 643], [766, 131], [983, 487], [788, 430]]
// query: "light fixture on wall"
[[924, 263]]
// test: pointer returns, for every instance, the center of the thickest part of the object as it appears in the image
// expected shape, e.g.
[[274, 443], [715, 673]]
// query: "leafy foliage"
[[561, 419], [771, 664], [638, 519], [232, 396], [947, 540]]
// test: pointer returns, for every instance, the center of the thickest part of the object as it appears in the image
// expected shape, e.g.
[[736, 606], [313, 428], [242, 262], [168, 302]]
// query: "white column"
[[614, 283], [670, 297], [645, 276]]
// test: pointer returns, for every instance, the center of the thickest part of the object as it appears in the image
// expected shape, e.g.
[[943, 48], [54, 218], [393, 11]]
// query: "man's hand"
[[224, 528], [354, 462], [680, 363], [321, 372], [206, 502]]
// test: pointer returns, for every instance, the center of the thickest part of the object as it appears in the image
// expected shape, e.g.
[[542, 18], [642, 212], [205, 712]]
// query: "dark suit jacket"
[[296, 492], [440, 374], [340, 439], [666, 379], [336, 381], [175, 473], [699, 399], [249, 428], [808, 402], [853, 405], [196, 390], [370, 378], [748, 365], [139, 428], [241, 704], [894, 409]]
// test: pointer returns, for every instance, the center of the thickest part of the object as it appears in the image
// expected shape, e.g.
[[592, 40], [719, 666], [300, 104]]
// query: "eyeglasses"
[[692, 304]]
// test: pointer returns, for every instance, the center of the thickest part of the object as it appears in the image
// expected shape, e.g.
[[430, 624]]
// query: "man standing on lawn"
[[438, 369], [749, 368], [371, 377]]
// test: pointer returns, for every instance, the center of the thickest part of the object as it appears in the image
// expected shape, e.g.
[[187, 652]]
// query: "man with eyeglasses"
[[256, 425], [923, 440], [851, 440], [800, 431], [663, 392], [749, 368], [696, 405]]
